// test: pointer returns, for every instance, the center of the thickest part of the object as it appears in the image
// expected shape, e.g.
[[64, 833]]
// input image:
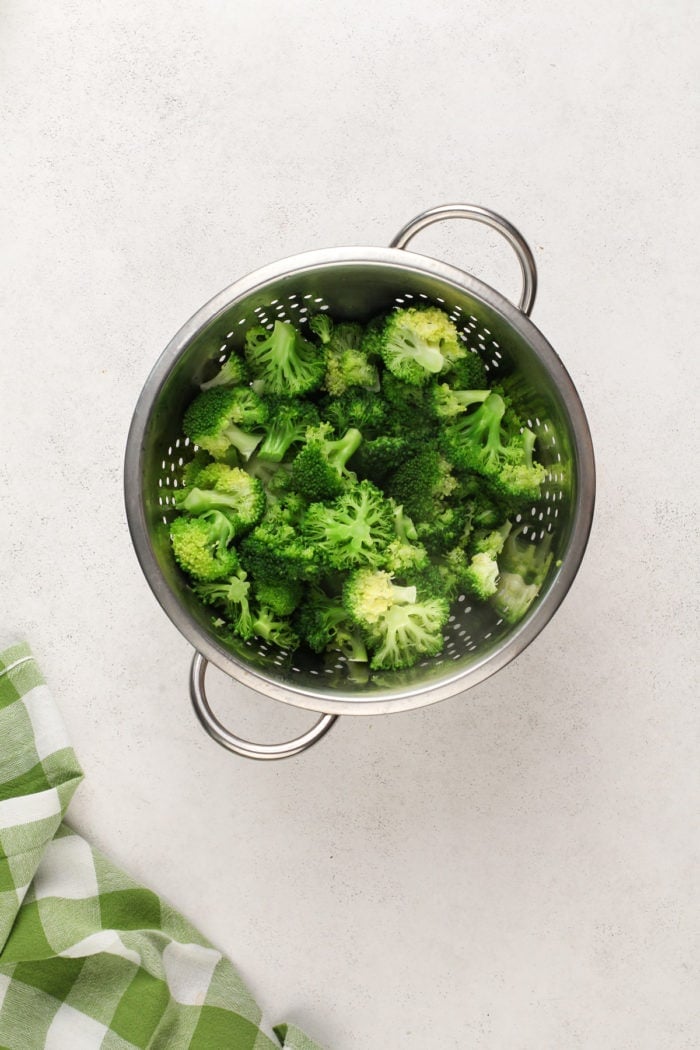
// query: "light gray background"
[[513, 869]]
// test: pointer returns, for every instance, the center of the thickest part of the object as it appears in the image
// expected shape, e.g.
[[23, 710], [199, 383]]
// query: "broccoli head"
[[229, 489], [200, 545], [354, 529], [232, 596], [287, 423], [233, 372], [280, 596], [319, 470], [324, 624], [209, 421], [287, 363], [276, 629], [417, 342]]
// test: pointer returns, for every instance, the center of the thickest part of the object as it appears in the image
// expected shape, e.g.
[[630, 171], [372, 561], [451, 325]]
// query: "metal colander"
[[359, 283]]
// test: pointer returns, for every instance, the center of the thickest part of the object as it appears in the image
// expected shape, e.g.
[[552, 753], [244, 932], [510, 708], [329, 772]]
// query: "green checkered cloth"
[[89, 959]]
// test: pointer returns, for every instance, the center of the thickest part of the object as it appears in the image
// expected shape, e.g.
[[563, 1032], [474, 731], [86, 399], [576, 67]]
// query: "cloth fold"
[[89, 959]]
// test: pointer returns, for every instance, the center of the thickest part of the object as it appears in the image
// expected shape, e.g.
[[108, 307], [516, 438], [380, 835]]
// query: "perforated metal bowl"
[[359, 283]]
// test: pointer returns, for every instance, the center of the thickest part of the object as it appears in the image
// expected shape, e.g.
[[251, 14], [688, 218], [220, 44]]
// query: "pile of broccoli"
[[350, 482]]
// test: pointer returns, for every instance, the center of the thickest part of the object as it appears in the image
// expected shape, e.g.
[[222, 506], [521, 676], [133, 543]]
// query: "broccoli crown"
[[286, 362], [356, 409], [399, 627], [520, 478], [209, 422], [354, 529], [288, 421], [192, 469], [319, 469], [422, 483], [481, 575], [280, 596], [233, 372], [232, 595], [377, 457], [417, 342], [404, 559], [468, 372], [200, 545], [349, 368], [233, 491], [324, 624], [368, 594], [275, 549]]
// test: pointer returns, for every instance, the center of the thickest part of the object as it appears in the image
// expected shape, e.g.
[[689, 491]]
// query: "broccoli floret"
[[322, 326], [520, 478], [232, 373], [346, 363], [468, 372], [276, 550], [445, 401], [399, 628], [284, 360], [324, 624], [233, 596], [445, 529], [368, 594], [209, 422], [280, 596], [377, 457], [404, 555], [232, 490], [422, 483], [477, 441], [319, 470], [200, 545], [191, 470], [417, 342], [355, 409], [273, 628], [287, 423], [524, 568], [481, 576], [354, 529]]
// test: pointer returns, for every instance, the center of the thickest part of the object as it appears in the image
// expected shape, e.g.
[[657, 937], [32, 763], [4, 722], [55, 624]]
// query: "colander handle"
[[229, 740], [490, 218]]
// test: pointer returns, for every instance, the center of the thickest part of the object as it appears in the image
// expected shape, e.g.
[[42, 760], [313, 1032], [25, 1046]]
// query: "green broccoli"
[[445, 401], [417, 342], [322, 326], [276, 629], [280, 596], [398, 626], [422, 483], [276, 550], [324, 624], [524, 568], [232, 372], [231, 490], [354, 529], [468, 372], [286, 362], [319, 470], [346, 363], [210, 424], [200, 545], [355, 409], [287, 423], [232, 595]]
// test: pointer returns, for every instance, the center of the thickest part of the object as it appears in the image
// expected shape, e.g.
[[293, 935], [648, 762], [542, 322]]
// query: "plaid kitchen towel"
[[89, 959]]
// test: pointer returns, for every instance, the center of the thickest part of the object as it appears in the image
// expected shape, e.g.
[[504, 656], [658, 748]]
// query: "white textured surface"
[[514, 869]]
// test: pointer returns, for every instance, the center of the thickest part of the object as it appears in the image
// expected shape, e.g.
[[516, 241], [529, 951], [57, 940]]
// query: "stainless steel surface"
[[489, 218], [361, 282], [246, 748]]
